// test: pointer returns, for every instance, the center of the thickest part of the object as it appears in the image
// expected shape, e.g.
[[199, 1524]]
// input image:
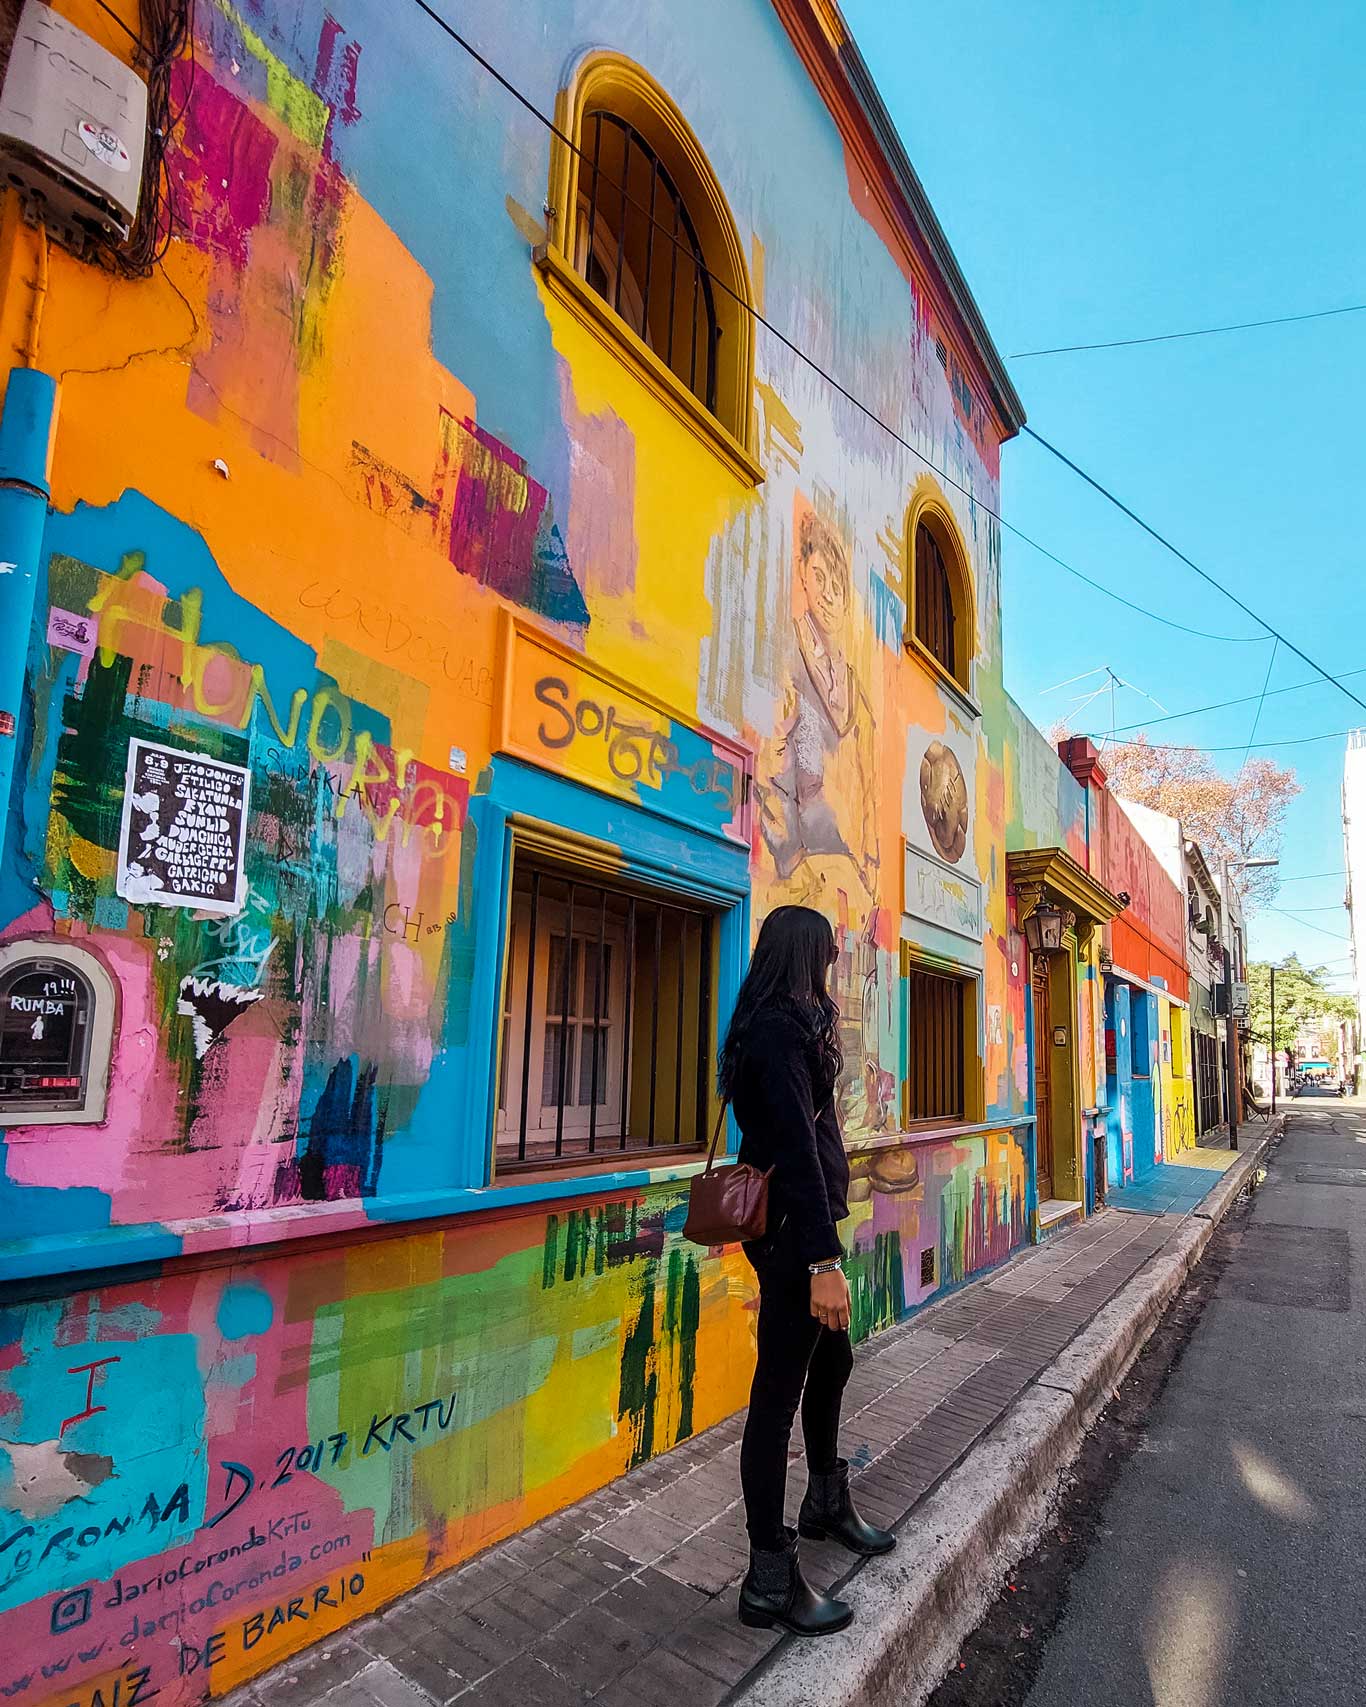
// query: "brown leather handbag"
[[729, 1204]]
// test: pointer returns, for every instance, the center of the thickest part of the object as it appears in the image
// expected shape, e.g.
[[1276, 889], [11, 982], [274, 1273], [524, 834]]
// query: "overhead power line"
[[1225, 704], [1236, 747], [1309, 925], [1200, 332], [1190, 563], [803, 356], [1312, 876], [1257, 715]]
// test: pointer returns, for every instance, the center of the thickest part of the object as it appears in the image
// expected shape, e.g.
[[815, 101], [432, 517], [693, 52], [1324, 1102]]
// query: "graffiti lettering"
[[192, 1657], [217, 990], [129, 1689], [245, 1480], [635, 751], [384, 1433], [89, 1370], [308, 1457], [398, 920], [300, 1608], [432, 805], [126, 1590], [398, 1426], [396, 633]]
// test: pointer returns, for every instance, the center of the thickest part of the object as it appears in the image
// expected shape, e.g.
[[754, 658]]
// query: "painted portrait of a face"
[[824, 576]]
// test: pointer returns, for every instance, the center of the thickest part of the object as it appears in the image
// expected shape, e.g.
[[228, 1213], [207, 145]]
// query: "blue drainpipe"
[[26, 430]]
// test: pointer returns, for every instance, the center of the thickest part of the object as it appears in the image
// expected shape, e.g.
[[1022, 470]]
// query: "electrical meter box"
[[73, 124]]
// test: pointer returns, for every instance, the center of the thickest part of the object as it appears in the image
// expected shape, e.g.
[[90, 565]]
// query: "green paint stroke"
[[877, 1288], [690, 1316], [639, 1388], [290, 99]]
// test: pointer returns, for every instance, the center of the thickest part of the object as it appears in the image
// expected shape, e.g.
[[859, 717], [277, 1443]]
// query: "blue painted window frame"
[[645, 847]]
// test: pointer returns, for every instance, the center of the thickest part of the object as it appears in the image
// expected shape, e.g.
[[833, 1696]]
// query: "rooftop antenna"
[[1109, 685]]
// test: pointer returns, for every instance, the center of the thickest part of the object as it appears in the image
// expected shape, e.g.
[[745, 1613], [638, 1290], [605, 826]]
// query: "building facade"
[[1207, 926], [448, 618], [1354, 860], [1149, 1084]]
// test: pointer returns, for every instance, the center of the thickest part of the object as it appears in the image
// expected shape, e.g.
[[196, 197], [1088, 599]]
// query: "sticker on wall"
[[71, 632], [181, 843], [105, 145], [944, 801]]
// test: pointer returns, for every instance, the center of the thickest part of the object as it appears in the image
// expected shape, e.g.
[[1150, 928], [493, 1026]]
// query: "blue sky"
[[1107, 173]]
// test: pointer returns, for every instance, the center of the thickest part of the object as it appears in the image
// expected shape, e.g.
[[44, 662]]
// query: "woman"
[[779, 1066]]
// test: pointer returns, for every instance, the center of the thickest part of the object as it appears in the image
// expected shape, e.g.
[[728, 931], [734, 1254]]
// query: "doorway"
[[1043, 1078]]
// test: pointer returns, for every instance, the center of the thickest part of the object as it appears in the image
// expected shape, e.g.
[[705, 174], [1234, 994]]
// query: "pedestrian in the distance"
[[779, 1067]]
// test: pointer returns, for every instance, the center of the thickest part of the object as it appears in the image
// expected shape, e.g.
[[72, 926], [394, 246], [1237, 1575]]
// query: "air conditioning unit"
[[73, 124]]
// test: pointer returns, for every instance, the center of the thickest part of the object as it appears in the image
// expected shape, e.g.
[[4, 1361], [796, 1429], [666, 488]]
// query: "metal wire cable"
[[1190, 563], [802, 355], [1201, 332]]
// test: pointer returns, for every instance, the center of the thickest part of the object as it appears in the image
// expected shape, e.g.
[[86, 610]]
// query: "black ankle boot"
[[775, 1592], [828, 1513]]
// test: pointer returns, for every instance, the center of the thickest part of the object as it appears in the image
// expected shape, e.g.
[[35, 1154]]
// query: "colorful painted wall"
[[351, 508], [1050, 808], [1178, 1092]]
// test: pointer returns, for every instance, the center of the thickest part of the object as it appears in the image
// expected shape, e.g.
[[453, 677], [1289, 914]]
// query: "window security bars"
[[629, 210], [607, 1022], [934, 618], [935, 1064], [1207, 1080]]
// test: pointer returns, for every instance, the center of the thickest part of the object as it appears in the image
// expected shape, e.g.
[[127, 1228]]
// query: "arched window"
[[934, 615], [644, 248], [57, 1011], [941, 619], [636, 244]]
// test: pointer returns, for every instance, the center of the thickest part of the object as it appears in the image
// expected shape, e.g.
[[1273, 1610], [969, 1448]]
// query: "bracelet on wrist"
[[832, 1265]]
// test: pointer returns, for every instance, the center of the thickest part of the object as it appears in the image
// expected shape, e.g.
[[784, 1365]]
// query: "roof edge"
[[831, 26]]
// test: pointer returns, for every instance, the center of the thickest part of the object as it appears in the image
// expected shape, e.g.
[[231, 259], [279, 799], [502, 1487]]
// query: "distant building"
[[1354, 859]]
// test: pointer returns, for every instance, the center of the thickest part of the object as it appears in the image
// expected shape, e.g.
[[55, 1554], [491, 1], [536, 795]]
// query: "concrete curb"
[[914, 1607]]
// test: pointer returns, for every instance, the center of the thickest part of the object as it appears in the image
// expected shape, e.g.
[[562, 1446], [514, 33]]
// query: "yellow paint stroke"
[[290, 99]]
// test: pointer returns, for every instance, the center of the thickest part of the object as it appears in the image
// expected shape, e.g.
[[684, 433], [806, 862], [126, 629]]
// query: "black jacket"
[[783, 1100]]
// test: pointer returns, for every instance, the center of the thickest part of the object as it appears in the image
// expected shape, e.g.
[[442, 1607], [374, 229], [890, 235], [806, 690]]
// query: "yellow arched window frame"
[[609, 97], [941, 601]]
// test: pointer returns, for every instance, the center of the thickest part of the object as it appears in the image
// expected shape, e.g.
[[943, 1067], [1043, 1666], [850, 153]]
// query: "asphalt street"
[[1230, 1564]]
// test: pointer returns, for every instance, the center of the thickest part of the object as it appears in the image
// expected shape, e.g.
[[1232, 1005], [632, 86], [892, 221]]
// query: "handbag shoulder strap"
[[716, 1135]]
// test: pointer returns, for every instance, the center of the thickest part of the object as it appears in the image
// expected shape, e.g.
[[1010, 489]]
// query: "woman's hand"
[[830, 1299]]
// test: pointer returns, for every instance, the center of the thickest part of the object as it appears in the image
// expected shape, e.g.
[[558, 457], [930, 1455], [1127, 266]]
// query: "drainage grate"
[[1331, 1176], [1304, 1267]]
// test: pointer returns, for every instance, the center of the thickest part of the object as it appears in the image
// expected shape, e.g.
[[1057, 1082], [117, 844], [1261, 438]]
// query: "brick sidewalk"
[[629, 1596]]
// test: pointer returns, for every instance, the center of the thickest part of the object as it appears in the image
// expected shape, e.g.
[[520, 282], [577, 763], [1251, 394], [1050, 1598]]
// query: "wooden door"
[[1043, 1079]]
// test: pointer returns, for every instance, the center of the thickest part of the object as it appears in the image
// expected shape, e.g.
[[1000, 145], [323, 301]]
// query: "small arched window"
[[57, 1006], [639, 227], [934, 614], [941, 620]]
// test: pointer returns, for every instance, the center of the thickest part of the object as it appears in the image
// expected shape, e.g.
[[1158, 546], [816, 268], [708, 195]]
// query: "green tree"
[[1303, 999]]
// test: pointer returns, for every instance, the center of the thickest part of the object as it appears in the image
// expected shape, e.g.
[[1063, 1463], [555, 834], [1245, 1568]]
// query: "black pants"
[[795, 1353]]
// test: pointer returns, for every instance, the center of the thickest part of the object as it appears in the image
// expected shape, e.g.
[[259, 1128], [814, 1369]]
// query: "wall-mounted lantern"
[[1045, 926]]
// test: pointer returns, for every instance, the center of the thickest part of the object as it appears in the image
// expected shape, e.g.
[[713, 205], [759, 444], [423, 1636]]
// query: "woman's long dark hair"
[[789, 968]]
